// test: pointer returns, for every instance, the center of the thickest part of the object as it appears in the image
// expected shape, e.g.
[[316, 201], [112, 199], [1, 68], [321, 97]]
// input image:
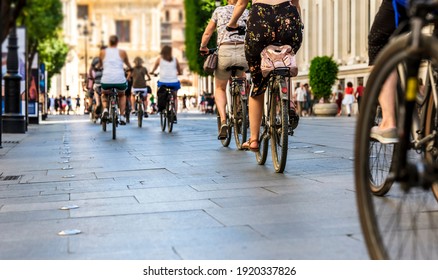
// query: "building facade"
[[337, 28]]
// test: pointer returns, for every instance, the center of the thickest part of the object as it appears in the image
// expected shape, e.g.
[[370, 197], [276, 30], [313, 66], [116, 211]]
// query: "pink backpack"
[[278, 56]]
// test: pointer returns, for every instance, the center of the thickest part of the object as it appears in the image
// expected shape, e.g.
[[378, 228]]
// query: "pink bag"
[[278, 56]]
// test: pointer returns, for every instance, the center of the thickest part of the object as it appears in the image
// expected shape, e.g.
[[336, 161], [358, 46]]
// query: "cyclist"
[[139, 72], [169, 71], [231, 53], [95, 74], [269, 21], [112, 59], [387, 19]]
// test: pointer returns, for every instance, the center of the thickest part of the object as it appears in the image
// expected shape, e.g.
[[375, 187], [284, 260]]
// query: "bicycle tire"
[[240, 121], [170, 118], [128, 114], [279, 125], [103, 125], [431, 125], [114, 122], [262, 154], [400, 226], [163, 119], [140, 115]]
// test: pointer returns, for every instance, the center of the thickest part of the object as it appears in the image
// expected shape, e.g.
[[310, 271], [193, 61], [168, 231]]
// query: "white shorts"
[[144, 91]]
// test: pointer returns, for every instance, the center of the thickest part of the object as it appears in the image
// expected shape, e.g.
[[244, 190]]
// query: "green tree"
[[323, 73], [198, 14], [53, 52], [42, 19]]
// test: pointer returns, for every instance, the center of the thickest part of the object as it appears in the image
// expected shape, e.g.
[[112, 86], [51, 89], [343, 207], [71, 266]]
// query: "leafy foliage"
[[53, 52], [198, 14], [323, 73], [43, 19]]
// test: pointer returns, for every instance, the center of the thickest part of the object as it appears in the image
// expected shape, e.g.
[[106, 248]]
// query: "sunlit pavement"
[[68, 191]]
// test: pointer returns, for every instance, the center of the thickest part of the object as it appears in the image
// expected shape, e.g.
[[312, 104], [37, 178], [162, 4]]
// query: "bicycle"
[[140, 110], [113, 112], [275, 125], [168, 114], [403, 225], [236, 110]]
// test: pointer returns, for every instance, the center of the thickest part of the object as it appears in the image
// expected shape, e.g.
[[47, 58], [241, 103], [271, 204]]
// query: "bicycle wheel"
[[170, 118], [431, 127], [225, 142], [403, 225], [240, 113], [103, 125], [140, 114], [279, 124], [115, 120], [262, 154], [163, 118]]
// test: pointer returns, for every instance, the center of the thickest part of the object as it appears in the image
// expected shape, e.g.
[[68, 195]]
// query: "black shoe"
[[293, 119], [223, 132], [147, 116], [174, 119]]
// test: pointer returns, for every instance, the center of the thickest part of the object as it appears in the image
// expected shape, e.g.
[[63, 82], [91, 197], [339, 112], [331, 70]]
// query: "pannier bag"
[[162, 98], [278, 56]]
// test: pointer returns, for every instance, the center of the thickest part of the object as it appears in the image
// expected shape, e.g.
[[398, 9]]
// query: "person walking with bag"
[[231, 53], [269, 21]]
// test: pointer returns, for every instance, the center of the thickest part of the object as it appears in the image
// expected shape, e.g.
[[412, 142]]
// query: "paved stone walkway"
[[154, 195]]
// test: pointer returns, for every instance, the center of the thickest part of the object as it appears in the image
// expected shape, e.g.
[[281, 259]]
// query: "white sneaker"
[[384, 136], [122, 120]]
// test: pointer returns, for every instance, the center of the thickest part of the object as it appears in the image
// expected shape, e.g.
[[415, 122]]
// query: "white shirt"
[[168, 71], [113, 72], [301, 94]]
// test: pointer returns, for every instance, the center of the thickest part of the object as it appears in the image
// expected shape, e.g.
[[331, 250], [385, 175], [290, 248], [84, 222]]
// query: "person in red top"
[[358, 94], [348, 98]]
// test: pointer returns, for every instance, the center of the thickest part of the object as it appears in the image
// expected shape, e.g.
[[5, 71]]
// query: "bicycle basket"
[[276, 57]]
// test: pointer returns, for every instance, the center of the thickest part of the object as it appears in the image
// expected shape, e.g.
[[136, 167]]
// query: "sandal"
[[247, 146]]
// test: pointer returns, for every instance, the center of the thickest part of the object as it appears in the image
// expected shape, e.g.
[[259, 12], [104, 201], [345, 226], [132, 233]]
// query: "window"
[[123, 30], [82, 11]]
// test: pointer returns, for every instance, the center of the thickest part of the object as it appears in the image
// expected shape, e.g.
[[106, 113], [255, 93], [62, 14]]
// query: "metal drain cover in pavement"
[[69, 232], [10, 178]]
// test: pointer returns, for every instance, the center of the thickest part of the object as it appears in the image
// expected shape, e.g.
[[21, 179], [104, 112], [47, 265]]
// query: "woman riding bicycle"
[[139, 74], [169, 71], [231, 53], [270, 21]]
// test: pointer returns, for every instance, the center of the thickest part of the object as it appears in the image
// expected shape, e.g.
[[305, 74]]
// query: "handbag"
[[276, 57], [210, 64]]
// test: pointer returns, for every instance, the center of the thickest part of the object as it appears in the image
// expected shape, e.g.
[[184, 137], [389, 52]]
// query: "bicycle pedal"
[[290, 131]]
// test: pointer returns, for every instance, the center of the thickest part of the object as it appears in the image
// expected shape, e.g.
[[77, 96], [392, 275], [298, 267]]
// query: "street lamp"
[[85, 32]]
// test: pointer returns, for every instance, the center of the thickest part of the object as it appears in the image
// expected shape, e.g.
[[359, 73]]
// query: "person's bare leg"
[[122, 103], [387, 102], [220, 98], [255, 112]]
